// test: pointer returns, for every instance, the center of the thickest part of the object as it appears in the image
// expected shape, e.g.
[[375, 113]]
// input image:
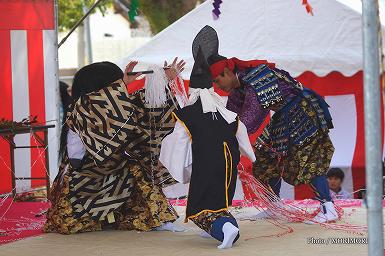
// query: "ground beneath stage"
[[114, 243]]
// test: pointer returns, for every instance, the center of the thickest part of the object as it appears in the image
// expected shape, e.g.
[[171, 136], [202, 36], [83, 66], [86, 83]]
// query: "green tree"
[[70, 11], [159, 13], [162, 13]]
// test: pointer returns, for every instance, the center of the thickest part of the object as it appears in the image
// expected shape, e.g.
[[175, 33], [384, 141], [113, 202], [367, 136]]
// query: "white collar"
[[211, 102]]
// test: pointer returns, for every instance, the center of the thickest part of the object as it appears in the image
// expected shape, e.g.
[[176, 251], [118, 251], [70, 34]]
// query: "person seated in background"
[[336, 178]]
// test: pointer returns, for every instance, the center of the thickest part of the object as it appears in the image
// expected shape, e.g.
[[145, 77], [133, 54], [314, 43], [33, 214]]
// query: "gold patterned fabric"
[[60, 216], [205, 220], [146, 209], [305, 158], [156, 123], [305, 162], [110, 120], [116, 181]]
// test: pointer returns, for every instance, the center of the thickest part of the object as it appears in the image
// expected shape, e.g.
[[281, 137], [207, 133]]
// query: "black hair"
[[65, 98], [212, 59], [94, 77], [336, 172], [90, 78]]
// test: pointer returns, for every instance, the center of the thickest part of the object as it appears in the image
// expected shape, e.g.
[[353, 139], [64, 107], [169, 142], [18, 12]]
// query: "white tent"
[[323, 51], [278, 30]]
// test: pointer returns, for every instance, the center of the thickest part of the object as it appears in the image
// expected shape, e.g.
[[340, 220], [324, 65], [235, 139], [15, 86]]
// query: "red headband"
[[218, 67]]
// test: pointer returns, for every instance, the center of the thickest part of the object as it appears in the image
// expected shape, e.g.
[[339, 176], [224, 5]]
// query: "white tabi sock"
[[230, 232]]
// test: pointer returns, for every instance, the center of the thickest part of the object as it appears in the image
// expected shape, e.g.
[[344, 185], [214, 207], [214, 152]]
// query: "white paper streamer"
[[155, 87]]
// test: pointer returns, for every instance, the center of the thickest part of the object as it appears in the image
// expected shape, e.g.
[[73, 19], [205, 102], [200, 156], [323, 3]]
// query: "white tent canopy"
[[280, 31]]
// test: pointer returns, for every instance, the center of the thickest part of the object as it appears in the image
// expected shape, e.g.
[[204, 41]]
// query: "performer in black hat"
[[107, 177], [209, 138]]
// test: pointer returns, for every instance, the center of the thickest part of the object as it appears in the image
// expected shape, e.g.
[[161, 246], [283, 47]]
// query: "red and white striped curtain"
[[29, 83]]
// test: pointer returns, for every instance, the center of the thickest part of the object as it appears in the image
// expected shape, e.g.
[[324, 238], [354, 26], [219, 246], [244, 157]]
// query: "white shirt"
[[75, 147], [342, 194]]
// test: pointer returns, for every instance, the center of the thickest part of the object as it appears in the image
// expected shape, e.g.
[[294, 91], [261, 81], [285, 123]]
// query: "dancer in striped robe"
[[108, 177]]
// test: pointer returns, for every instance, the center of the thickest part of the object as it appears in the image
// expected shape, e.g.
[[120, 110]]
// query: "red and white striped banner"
[[29, 83]]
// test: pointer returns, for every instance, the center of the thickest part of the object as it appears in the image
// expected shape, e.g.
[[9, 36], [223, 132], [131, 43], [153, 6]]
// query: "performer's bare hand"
[[129, 68], [174, 69]]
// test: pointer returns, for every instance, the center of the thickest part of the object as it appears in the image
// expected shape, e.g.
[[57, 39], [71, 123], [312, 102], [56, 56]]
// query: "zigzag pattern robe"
[[118, 131]]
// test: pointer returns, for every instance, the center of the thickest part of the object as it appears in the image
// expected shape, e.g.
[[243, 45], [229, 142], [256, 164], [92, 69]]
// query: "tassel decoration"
[[216, 11], [133, 12], [308, 7], [155, 87]]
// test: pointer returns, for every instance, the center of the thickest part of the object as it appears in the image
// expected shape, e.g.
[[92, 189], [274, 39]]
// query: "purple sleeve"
[[248, 108]]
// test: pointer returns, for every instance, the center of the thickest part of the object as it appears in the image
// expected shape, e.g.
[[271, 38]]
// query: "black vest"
[[215, 155]]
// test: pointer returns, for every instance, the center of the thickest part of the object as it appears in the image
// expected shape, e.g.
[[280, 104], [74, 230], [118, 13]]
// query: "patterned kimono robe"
[[118, 181], [295, 145]]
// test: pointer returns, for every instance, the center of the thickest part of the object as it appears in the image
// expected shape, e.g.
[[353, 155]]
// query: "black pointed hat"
[[200, 75], [207, 40]]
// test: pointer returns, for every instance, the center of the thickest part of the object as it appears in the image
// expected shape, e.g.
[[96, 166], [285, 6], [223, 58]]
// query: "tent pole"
[[373, 138], [96, 3], [87, 30]]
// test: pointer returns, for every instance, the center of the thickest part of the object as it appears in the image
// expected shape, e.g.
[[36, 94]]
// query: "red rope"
[[262, 198]]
